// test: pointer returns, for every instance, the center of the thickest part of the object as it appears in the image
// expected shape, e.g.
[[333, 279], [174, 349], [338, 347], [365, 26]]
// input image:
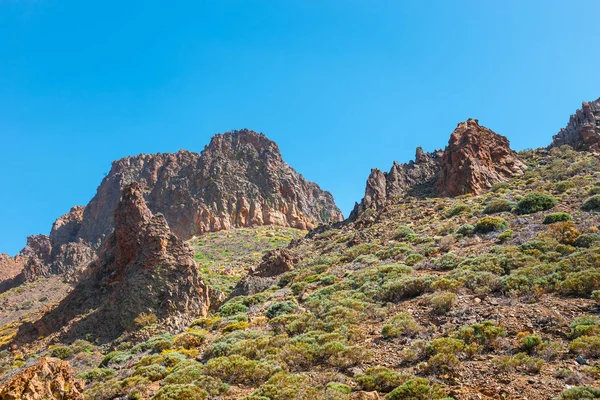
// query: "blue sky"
[[342, 86]]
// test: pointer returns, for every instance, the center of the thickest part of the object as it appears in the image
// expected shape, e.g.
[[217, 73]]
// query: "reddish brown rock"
[[583, 129], [274, 263], [143, 268], [382, 187], [11, 271], [475, 159], [239, 180], [49, 378]]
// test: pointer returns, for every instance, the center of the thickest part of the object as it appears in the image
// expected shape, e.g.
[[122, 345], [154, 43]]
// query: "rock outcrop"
[[382, 186], [475, 159], [11, 271], [143, 268], [583, 129], [49, 378], [274, 263], [239, 180]]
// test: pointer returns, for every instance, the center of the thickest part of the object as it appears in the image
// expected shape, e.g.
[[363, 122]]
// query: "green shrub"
[[491, 224], [181, 392], [497, 206], [96, 374], [276, 309], [447, 262], [557, 217], [581, 283], [592, 203], [152, 372], [237, 369], [587, 346], [402, 324], [284, 386], [232, 307], [186, 374], [587, 240], [563, 186], [379, 379], [457, 209], [535, 202], [405, 288], [519, 362], [403, 232], [416, 389], [580, 393], [530, 342], [62, 352], [442, 302], [505, 236], [465, 230]]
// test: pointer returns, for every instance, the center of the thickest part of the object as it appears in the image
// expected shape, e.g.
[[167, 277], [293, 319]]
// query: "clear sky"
[[342, 86]]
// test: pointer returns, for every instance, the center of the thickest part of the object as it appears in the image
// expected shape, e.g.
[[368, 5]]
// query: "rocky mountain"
[[143, 270], [583, 130], [238, 180], [475, 159]]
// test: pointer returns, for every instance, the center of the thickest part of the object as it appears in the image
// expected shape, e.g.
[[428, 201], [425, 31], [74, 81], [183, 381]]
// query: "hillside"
[[469, 273]]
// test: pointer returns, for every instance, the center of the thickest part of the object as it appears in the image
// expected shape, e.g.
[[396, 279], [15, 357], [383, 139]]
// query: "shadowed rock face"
[[49, 378], [142, 268], [382, 186], [583, 130], [274, 263], [475, 159], [239, 180]]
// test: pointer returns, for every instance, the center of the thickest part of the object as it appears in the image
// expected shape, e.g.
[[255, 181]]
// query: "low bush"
[[62, 352], [239, 370], [96, 374], [457, 209], [402, 324], [557, 217], [587, 346], [592, 203], [181, 392], [465, 230], [284, 386], [491, 224], [277, 309], [530, 343], [498, 206], [379, 379], [535, 202], [416, 389], [587, 240], [152, 372], [580, 393], [442, 302]]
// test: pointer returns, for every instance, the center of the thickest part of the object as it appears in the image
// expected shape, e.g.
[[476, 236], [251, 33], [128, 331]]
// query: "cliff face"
[[382, 186], [474, 160], [239, 180], [143, 268], [583, 129]]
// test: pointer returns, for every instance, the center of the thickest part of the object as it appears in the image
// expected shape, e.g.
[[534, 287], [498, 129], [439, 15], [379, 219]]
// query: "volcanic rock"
[[274, 263], [50, 378], [11, 271], [143, 268], [239, 180], [475, 159], [383, 187], [583, 130]]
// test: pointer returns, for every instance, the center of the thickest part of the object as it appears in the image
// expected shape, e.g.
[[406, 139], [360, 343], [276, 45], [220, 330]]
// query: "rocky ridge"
[[583, 129], [238, 180], [142, 269], [475, 159], [49, 378]]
